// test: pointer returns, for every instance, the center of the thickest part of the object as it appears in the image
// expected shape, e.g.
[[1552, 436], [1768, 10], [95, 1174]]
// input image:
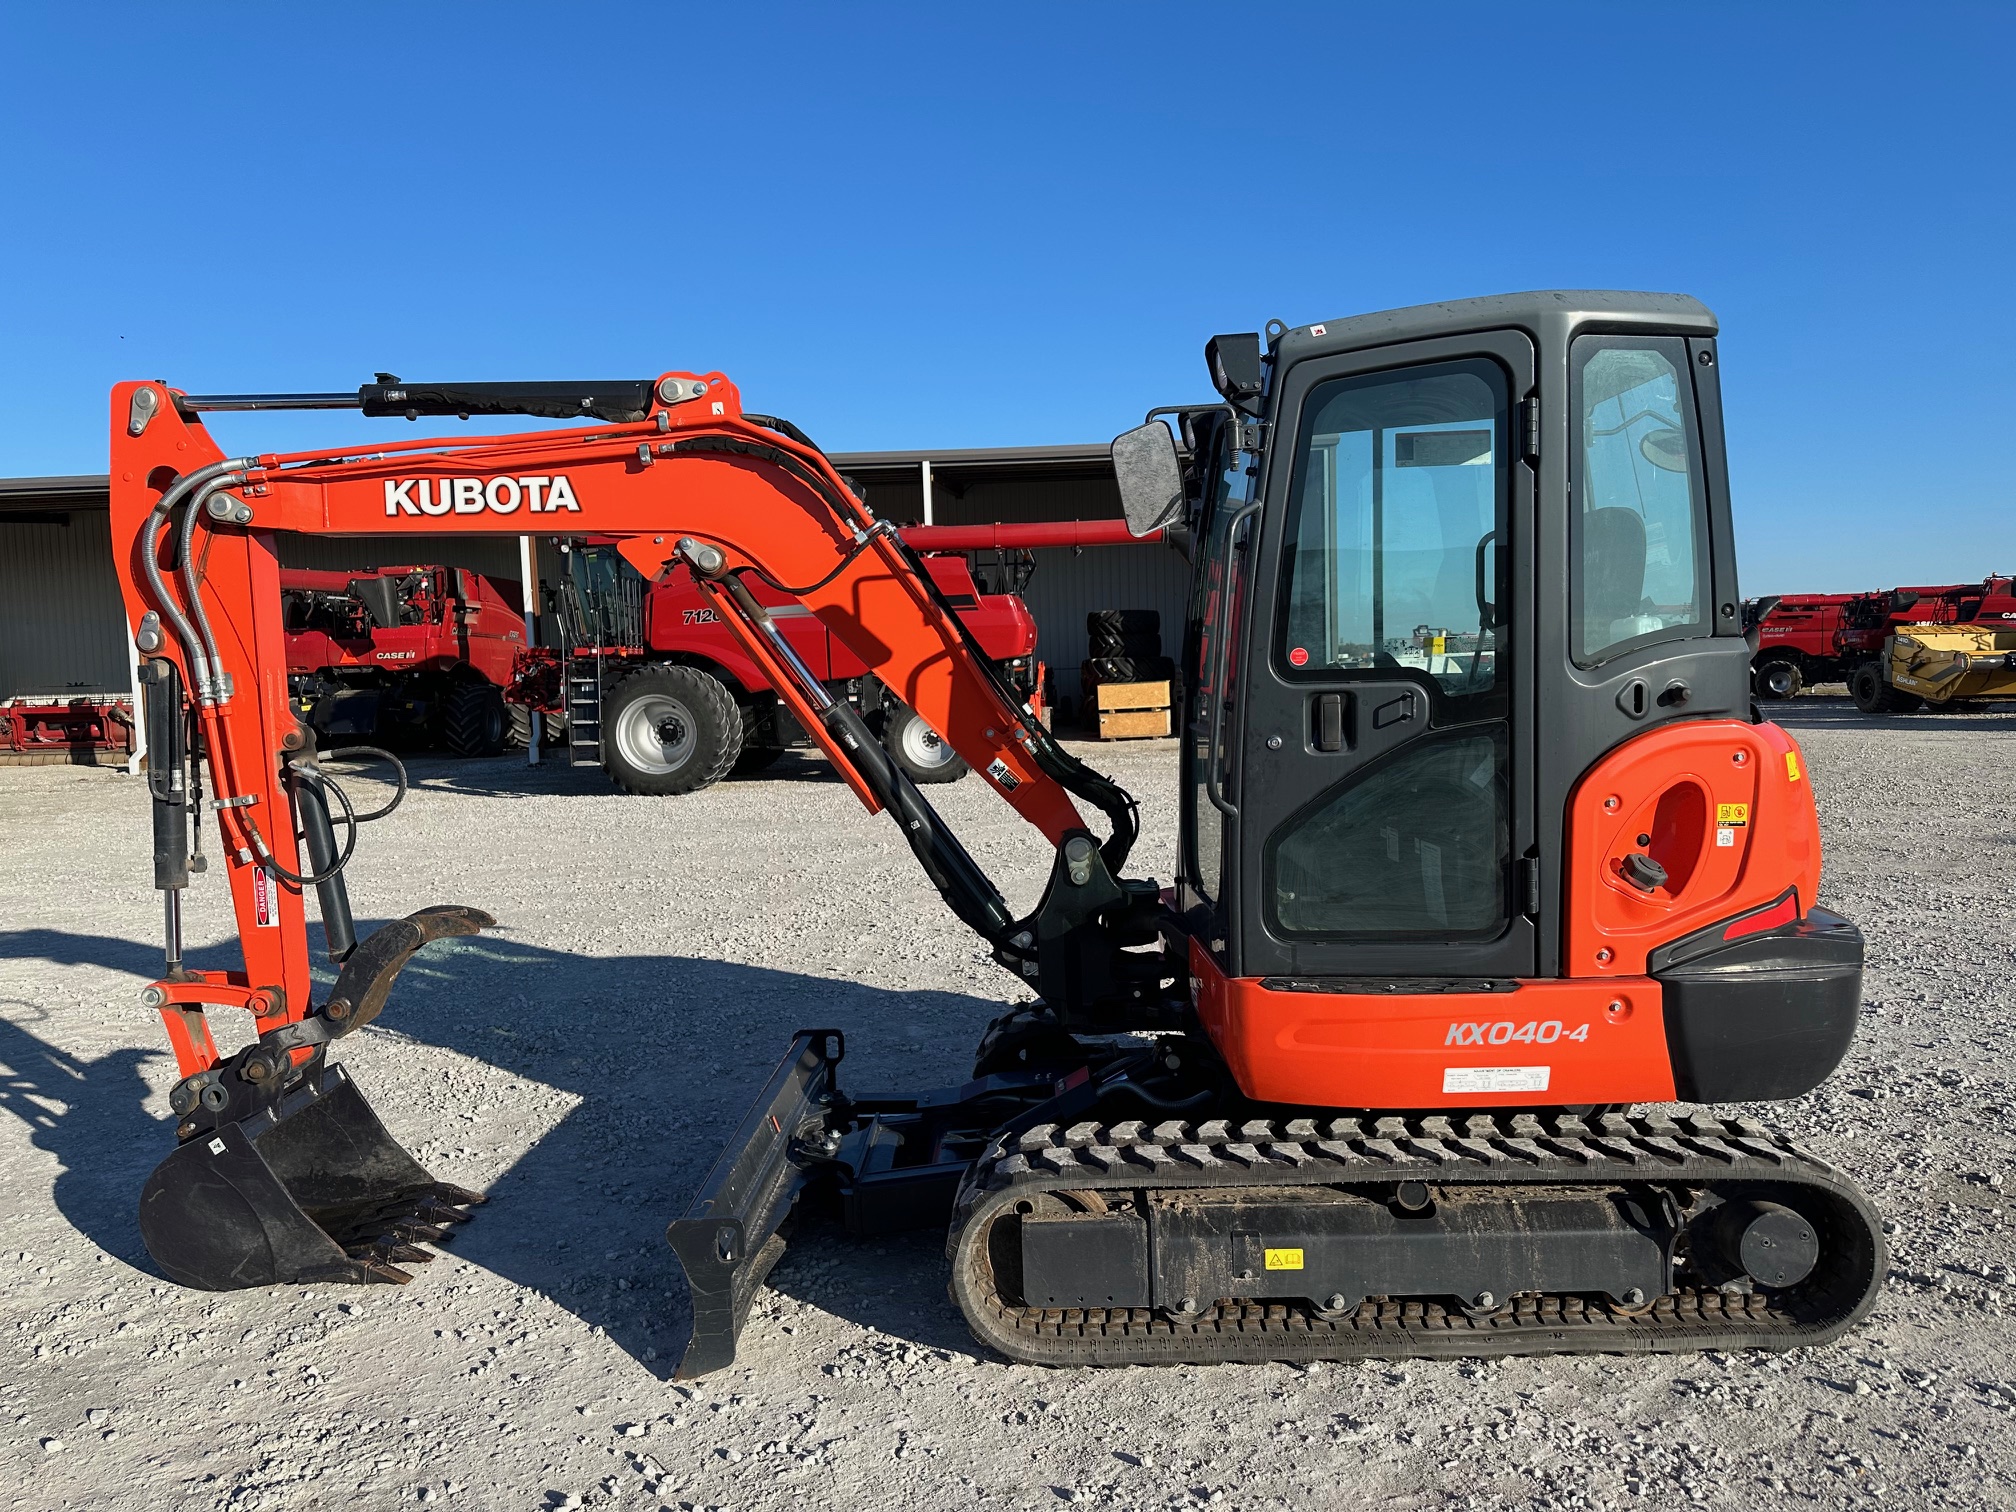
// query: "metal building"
[[62, 630]]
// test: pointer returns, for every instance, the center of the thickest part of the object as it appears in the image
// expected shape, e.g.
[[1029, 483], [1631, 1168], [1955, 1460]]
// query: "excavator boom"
[[683, 481]]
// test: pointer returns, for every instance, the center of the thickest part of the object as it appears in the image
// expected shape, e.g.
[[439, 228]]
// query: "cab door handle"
[[1329, 722]]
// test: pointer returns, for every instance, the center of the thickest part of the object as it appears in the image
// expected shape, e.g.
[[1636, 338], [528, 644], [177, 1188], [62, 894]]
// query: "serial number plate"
[[1495, 1078]]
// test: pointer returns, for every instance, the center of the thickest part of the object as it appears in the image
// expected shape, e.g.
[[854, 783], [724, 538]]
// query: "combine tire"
[[519, 735], [475, 720], [1780, 677], [1873, 695], [918, 749], [669, 730]]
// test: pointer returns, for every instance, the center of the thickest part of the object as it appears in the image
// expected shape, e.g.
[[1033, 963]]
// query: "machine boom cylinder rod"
[[171, 933], [197, 403]]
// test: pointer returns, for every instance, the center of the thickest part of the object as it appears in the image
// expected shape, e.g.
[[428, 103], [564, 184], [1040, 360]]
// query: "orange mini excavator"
[[1482, 843]]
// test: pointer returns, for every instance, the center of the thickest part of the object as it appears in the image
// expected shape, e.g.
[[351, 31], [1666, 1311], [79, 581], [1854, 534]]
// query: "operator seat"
[[1613, 578]]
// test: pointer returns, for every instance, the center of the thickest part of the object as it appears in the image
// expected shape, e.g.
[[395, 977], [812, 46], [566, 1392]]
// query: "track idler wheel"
[[1768, 1242]]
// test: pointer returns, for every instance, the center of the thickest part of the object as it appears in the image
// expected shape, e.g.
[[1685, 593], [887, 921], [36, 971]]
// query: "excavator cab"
[[1482, 846]]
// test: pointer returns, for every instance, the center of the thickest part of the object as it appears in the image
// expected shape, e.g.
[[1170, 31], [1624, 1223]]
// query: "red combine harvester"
[[660, 694], [405, 655], [1809, 638]]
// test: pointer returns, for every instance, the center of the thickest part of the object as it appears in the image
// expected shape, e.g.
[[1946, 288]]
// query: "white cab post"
[[528, 587], [139, 755]]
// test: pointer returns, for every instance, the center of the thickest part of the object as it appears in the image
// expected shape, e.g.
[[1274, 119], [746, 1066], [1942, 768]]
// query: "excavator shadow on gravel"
[[1481, 845]]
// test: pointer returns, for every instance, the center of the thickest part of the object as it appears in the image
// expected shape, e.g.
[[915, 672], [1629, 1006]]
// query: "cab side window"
[[1639, 540]]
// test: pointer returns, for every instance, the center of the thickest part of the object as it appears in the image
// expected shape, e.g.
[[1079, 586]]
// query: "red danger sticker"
[[1297, 657], [265, 906]]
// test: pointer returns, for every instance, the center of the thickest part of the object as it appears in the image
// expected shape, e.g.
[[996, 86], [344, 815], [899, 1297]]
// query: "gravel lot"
[[584, 1063]]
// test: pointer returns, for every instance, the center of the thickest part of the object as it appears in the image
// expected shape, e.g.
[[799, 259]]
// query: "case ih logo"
[[440, 496]]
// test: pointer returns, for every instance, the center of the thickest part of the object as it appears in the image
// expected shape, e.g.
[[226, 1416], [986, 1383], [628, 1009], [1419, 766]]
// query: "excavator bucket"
[[310, 1186], [310, 1189]]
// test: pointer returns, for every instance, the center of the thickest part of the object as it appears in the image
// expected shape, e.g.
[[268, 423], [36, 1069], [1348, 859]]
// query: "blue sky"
[[947, 226]]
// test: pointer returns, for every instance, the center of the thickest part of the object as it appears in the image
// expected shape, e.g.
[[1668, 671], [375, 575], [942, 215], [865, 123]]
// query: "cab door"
[[1382, 771]]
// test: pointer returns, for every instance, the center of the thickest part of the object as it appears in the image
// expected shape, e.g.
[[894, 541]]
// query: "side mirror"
[[1150, 477]]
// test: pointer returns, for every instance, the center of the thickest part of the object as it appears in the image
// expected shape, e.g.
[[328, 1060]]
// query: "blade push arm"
[[696, 486]]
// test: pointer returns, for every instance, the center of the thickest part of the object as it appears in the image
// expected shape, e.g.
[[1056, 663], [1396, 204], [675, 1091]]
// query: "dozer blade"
[[729, 1240], [310, 1189]]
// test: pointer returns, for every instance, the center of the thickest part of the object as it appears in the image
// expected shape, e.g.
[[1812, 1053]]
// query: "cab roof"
[[1544, 313]]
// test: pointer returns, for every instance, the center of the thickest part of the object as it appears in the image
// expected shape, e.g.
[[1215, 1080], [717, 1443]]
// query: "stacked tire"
[[1125, 646]]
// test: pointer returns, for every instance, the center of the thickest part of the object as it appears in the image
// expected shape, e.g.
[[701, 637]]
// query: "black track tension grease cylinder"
[[318, 838]]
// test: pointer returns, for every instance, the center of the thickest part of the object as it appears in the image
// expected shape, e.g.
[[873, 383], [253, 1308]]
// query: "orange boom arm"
[[694, 485]]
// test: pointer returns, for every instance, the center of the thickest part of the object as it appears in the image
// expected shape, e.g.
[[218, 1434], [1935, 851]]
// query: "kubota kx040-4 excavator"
[[1481, 844]]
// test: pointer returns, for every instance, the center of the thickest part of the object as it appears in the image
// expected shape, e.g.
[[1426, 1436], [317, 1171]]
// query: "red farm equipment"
[[650, 685], [51, 729], [1808, 638], [406, 656]]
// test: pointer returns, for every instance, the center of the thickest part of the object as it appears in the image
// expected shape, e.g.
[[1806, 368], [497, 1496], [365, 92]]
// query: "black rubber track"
[[1555, 1150]]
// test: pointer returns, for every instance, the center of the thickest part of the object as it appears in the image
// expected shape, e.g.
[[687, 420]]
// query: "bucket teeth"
[[416, 1233], [393, 1230], [319, 1190], [434, 1210], [384, 1254], [380, 1270]]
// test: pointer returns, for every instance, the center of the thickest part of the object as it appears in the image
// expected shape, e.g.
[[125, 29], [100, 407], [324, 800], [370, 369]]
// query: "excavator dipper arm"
[[684, 481]]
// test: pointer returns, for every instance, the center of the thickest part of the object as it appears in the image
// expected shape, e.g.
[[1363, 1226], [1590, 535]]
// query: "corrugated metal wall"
[[62, 629]]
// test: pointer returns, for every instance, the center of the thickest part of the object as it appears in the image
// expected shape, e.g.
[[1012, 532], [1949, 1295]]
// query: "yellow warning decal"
[[1732, 813], [1792, 766], [1284, 1259]]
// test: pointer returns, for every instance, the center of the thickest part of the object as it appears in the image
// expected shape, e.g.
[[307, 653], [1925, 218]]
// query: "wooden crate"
[[1143, 695], [1133, 724], [1132, 711]]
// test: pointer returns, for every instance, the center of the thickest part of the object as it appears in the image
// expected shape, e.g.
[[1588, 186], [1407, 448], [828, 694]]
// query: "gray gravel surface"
[[584, 1064]]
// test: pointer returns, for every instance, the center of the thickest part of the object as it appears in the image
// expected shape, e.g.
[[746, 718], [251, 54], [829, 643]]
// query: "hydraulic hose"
[[185, 564], [272, 864], [177, 491], [375, 753], [879, 528]]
